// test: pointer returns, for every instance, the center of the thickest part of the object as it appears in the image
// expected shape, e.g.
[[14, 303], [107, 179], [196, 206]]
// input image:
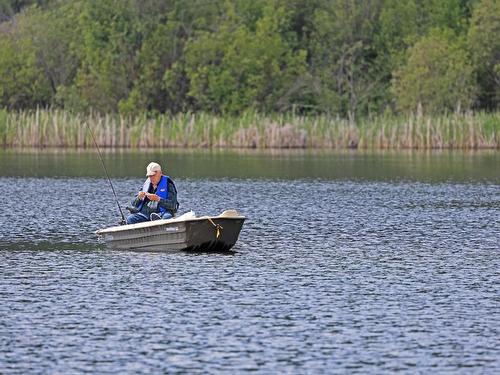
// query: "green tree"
[[22, 84], [161, 83], [484, 45], [343, 59], [398, 29], [6, 11], [55, 39], [402, 23], [157, 53], [449, 14], [10, 7], [437, 75], [351, 57], [237, 68], [111, 34]]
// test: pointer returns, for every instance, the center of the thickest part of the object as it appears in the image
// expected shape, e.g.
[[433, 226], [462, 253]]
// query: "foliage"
[[484, 44], [436, 76], [111, 35], [56, 41], [343, 56], [22, 82], [352, 58], [242, 67]]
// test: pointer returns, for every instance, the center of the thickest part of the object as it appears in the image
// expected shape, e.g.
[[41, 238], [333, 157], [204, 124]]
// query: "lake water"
[[348, 262]]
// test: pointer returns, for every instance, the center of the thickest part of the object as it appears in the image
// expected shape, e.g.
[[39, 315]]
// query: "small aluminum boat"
[[186, 232]]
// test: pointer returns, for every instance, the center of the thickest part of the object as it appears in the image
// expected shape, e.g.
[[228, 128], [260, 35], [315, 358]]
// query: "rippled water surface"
[[333, 273]]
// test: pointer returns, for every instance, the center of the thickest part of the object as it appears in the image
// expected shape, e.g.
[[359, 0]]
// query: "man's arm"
[[138, 199]]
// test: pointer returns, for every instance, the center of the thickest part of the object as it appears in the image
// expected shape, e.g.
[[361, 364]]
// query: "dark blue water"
[[329, 276]]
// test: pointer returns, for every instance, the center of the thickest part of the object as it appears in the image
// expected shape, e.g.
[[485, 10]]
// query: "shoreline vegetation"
[[268, 74], [42, 128]]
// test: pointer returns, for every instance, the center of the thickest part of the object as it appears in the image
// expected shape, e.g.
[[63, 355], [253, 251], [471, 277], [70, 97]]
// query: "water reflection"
[[275, 164]]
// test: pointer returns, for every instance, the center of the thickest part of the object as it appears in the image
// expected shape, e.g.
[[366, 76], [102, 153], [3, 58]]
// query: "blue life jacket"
[[161, 190]]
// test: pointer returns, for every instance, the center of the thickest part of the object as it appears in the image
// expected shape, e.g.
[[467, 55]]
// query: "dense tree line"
[[346, 57]]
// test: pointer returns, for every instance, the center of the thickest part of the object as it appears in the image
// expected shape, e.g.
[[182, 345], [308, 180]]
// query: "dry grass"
[[58, 128]]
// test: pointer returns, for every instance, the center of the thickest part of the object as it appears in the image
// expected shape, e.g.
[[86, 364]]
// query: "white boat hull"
[[187, 232]]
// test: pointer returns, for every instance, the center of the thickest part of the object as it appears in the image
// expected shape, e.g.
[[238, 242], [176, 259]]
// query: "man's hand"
[[153, 197], [141, 195]]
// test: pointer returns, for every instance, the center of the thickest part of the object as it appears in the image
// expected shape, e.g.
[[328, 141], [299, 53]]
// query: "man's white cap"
[[152, 168]]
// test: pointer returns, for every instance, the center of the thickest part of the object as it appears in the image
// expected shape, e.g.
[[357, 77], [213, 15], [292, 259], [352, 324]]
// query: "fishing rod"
[[107, 175]]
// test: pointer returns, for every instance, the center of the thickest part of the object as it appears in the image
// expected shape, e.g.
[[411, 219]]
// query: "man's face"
[[155, 178]]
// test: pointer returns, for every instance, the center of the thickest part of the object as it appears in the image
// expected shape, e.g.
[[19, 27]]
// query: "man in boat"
[[156, 200]]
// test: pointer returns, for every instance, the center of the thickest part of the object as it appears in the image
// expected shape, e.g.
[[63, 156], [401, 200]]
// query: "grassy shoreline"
[[57, 128]]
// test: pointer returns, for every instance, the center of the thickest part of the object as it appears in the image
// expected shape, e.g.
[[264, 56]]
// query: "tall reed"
[[59, 128]]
